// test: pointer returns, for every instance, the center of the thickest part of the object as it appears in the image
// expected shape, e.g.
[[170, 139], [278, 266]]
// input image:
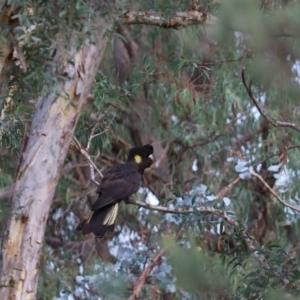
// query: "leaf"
[[245, 175], [62, 13], [194, 199], [275, 168], [35, 39], [176, 193], [241, 166], [211, 197]]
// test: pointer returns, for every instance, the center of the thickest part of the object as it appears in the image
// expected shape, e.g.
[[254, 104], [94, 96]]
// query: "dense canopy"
[[213, 86]]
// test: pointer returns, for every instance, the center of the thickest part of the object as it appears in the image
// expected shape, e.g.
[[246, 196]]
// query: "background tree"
[[213, 86]]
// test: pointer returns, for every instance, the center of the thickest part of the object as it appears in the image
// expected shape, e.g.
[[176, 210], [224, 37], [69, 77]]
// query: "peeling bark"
[[175, 20], [51, 132]]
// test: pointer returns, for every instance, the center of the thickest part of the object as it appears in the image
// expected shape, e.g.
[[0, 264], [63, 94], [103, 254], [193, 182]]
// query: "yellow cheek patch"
[[138, 159]]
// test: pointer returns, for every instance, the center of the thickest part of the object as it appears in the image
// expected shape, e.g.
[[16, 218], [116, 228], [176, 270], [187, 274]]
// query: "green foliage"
[[184, 93], [197, 273]]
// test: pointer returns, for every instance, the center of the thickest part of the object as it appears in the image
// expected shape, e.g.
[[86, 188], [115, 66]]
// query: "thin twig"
[[163, 155], [152, 73], [213, 63], [75, 143], [274, 193], [272, 121], [92, 135], [202, 209], [276, 154], [100, 133]]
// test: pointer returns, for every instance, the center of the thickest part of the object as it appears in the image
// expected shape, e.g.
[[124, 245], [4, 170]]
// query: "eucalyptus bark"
[[175, 20], [43, 157]]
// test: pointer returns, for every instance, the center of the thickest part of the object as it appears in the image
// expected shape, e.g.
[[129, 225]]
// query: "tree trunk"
[[51, 131]]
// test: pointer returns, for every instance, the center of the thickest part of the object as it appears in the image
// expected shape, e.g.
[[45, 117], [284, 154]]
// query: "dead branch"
[[178, 19], [95, 135], [76, 145], [271, 120], [163, 155]]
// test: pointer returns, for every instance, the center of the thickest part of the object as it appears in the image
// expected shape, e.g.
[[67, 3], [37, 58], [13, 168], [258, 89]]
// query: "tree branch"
[[174, 20], [202, 209], [221, 194], [271, 120], [163, 155], [209, 210], [276, 154], [76, 145], [143, 277], [274, 193]]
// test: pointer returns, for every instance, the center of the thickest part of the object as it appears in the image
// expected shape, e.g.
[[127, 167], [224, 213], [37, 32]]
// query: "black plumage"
[[118, 183]]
